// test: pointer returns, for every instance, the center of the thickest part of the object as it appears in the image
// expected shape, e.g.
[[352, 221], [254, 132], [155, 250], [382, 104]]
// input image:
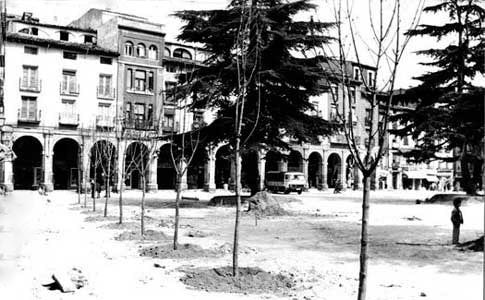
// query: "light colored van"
[[286, 182]]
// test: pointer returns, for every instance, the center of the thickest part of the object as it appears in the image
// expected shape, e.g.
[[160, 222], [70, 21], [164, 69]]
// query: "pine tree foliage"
[[449, 108], [277, 96]]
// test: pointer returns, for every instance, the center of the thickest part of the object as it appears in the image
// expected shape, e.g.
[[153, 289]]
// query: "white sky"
[[64, 11]]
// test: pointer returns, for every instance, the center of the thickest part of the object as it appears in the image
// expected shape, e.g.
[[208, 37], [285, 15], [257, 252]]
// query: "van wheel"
[[299, 192], [287, 192]]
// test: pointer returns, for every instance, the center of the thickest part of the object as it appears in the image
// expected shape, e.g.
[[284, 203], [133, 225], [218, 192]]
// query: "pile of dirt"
[[184, 251], [197, 233], [448, 198], [228, 200], [150, 235], [228, 248], [265, 204], [475, 245], [250, 280], [124, 225], [100, 218]]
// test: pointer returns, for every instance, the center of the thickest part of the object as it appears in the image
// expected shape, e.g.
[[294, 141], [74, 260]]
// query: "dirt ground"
[[317, 245]]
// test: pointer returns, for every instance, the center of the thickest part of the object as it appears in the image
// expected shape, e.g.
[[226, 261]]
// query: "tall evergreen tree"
[[254, 77], [449, 108]]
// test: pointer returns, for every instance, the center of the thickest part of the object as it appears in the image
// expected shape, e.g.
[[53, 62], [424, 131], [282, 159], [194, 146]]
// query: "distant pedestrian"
[[457, 220], [93, 188]]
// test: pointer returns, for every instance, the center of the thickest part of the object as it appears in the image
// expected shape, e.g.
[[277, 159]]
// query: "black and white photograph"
[[242, 149]]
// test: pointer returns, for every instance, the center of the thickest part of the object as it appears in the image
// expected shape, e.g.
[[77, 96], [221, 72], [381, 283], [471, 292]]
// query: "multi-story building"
[[58, 82]]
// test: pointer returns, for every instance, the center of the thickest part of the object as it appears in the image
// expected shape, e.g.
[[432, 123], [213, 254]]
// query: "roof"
[[185, 45], [81, 48], [72, 28]]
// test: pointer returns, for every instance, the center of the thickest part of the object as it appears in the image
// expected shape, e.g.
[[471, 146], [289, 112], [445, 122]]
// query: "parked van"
[[285, 182]]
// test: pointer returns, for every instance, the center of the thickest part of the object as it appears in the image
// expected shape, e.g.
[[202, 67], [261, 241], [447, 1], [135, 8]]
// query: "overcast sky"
[[64, 11]]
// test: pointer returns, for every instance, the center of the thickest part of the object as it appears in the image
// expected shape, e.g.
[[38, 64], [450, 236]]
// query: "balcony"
[[138, 124], [106, 93], [29, 117], [338, 139], [26, 85], [171, 128], [71, 89], [69, 119], [106, 121]]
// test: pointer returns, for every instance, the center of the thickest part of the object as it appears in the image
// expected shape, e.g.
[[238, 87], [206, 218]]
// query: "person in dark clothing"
[[93, 188], [456, 220]]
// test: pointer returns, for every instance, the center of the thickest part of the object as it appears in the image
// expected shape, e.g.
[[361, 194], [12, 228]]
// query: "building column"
[[305, 170], [8, 175], [324, 173], [152, 174], [261, 170], [343, 170], [47, 167], [210, 172]]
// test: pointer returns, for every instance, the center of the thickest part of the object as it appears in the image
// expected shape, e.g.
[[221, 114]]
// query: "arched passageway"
[[249, 169], [136, 164], [102, 164], [295, 162], [196, 170], [27, 166], [65, 164], [333, 169], [223, 166], [314, 170], [166, 175], [273, 161]]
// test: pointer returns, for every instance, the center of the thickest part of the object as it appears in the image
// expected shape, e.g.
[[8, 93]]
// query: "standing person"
[[93, 190], [457, 220]]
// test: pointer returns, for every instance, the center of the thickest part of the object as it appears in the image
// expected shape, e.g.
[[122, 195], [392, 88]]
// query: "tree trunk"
[[120, 202], [467, 182], [177, 214], [79, 188], [363, 240], [235, 265], [106, 180], [143, 205]]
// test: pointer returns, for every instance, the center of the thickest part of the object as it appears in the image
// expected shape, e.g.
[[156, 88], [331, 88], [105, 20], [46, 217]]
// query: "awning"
[[416, 174], [432, 178]]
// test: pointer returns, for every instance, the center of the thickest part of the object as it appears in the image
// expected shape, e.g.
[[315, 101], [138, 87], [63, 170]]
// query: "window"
[[333, 113], [150, 81], [128, 109], [198, 119], [31, 31], [353, 96], [69, 55], [168, 121], [104, 109], [64, 36], [104, 87], [166, 52], [140, 50], [31, 50], [140, 80], [182, 53], [406, 141], [152, 52], [171, 68], [150, 112], [371, 79], [139, 114], [68, 107], [69, 83], [368, 117], [357, 73], [129, 49], [30, 77], [88, 39], [28, 110], [105, 60], [129, 79]]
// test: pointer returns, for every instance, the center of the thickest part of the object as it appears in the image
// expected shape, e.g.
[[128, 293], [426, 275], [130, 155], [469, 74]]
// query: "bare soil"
[[248, 281], [150, 235], [185, 251]]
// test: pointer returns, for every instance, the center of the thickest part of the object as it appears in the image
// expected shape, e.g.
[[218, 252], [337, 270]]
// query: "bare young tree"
[[139, 156], [385, 49], [105, 154]]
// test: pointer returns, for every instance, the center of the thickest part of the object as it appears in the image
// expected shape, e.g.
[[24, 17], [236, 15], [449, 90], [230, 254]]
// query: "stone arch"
[[334, 168], [166, 174], [136, 162], [102, 162], [315, 170], [223, 166], [27, 166], [274, 160], [295, 161], [65, 163]]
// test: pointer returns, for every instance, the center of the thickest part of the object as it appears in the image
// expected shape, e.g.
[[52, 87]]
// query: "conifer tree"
[[449, 108]]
